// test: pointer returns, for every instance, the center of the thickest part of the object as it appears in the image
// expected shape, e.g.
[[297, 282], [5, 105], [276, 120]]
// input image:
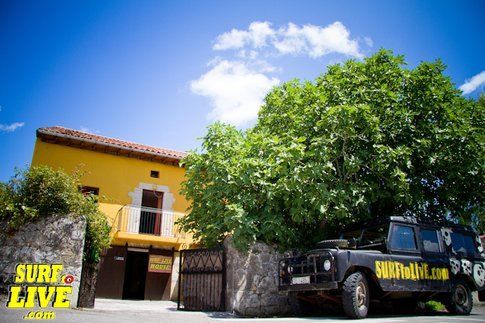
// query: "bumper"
[[308, 287]]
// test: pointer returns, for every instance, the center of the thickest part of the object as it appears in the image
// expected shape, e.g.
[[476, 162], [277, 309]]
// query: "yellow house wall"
[[115, 176]]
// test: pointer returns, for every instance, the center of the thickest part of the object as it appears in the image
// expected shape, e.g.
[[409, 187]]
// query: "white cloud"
[[247, 54], [237, 86], [236, 90], [256, 36], [311, 40], [88, 130], [291, 41], [474, 83], [368, 41], [231, 40], [11, 127]]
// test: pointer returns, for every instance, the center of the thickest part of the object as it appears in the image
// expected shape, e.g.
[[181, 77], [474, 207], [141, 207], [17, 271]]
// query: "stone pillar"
[[174, 287], [49, 240], [252, 282]]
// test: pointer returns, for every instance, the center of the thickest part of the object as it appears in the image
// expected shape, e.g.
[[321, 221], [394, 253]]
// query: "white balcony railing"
[[145, 220]]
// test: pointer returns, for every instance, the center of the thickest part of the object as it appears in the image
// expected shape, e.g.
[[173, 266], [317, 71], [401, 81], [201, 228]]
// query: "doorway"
[[135, 275], [151, 212]]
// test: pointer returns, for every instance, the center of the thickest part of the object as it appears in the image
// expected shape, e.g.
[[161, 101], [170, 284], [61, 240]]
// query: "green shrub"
[[41, 192], [434, 306]]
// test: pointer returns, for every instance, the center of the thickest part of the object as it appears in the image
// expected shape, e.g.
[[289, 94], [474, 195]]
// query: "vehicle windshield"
[[356, 234], [368, 236]]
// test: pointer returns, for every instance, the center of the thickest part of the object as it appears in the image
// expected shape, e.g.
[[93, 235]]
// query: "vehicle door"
[[435, 259], [406, 269], [374, 239], [467, 256]]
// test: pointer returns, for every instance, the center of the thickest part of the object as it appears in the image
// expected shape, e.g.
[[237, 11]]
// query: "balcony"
[[149, 222]]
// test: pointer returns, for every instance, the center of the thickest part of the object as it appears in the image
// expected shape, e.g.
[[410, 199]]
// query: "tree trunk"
[[87, 288]]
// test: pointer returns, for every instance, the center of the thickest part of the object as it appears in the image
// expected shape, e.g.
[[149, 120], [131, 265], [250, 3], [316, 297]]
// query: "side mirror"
[[352, 242]]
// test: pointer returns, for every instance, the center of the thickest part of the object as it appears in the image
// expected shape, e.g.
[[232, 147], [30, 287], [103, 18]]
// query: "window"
[[367, 237], [155, 173], [374, 235], [89, 190], [403, 238], [430, 240], [356, 234], [463, 243]]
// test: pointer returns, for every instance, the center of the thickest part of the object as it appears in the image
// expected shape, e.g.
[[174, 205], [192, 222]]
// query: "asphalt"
[[107, 310]]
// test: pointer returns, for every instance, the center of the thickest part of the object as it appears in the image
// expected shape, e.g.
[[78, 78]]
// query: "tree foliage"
[[366, 139], [41, 192]]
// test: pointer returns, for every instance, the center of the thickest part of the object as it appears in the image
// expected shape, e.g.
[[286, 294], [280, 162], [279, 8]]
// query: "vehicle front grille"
[[310, 265]]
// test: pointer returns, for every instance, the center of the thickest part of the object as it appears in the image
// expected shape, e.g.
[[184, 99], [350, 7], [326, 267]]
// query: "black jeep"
[[397, 260]]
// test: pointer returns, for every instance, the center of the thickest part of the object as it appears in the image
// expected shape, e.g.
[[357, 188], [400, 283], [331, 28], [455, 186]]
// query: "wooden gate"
[[202, 285]]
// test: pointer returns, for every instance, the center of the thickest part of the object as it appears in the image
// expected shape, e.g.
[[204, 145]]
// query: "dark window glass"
[[463, 243], [351, 234], [155, 173], [430, 240], [89, 190], [374, 235], [151, 212], [402, 237]]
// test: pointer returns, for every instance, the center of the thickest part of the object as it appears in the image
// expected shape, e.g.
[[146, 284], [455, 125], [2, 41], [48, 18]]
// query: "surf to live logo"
[[40, 286], [412, 271]]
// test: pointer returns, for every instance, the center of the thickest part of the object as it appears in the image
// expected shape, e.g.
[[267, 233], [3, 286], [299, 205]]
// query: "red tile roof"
[[63, 135]]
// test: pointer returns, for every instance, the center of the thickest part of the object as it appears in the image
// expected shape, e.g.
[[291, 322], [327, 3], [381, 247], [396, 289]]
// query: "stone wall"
[[252, 282], [52, 240]]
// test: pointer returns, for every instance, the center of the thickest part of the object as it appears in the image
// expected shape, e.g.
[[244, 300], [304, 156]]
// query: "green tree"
[[367, 139], [42, 192]]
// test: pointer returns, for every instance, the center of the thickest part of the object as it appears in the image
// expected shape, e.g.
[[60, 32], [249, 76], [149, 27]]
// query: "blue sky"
[[158, 72]]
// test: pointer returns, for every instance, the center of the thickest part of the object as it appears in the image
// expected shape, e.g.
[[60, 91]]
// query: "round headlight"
[[327, 265]]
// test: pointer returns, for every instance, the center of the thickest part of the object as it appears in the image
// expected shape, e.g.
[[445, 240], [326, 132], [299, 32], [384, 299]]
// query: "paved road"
[[146, 311]]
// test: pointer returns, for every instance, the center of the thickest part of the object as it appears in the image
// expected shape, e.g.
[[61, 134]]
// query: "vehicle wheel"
[[355, 296], [459, 301]]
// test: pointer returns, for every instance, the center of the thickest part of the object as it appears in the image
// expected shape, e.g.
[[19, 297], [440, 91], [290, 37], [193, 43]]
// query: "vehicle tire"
[[459, 301], [356, 296], [340, 243]]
